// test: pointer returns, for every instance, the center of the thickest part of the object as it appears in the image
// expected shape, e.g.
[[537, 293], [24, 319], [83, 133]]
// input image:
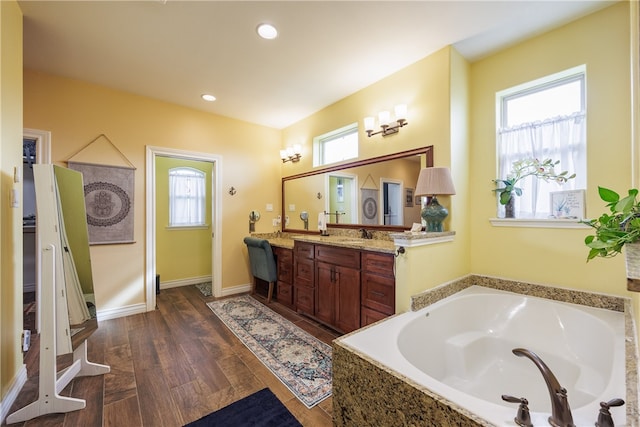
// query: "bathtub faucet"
[[560, 411]]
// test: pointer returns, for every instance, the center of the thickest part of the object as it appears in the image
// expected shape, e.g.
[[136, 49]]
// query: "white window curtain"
[[187, 197], [560, 138]]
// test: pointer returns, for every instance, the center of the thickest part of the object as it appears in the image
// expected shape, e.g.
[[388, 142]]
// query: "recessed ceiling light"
[[208, 97], [267, 31]]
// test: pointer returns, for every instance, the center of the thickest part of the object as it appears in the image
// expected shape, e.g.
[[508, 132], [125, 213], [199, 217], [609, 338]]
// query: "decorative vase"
[[632, 258], [510, 207]]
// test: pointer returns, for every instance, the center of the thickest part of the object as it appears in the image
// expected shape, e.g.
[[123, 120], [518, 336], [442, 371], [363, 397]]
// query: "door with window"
[[183, 221]]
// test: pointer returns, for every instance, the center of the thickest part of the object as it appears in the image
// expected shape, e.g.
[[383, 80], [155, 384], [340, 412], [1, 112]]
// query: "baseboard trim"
[[183, 282], [236, 290], [12, 392], [114, 313]]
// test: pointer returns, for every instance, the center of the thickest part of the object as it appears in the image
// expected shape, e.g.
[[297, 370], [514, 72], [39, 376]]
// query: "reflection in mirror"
[[376, 193]]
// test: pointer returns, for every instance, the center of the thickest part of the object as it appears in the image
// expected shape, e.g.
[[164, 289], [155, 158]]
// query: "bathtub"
[[460, 349]]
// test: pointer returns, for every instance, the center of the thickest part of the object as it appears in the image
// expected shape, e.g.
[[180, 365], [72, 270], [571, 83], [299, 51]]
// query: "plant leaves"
[[607, 195]]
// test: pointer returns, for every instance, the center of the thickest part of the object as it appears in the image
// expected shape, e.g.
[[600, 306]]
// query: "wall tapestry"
[[108, 193], [369, 206]]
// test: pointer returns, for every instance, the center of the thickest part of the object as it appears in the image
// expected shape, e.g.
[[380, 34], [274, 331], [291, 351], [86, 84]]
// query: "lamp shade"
[[435, 181]]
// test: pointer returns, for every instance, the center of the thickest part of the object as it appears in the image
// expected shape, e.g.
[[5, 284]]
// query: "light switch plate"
[[269, 207]]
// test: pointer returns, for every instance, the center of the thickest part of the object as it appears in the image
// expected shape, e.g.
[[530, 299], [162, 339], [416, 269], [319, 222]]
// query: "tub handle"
[[604, 416], [523, 418]]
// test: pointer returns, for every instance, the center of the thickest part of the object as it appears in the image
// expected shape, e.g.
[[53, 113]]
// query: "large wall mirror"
[[375, 193]]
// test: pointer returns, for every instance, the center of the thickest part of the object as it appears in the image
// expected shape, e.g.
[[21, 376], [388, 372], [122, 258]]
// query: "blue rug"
[[299, 360], [261, 409]]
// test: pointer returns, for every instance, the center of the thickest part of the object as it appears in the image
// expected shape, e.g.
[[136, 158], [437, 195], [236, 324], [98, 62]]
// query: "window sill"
[[537, 223], [187, 227]]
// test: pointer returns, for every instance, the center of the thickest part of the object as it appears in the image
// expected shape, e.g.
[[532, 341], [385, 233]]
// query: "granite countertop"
[[286, 240], [375, 245]]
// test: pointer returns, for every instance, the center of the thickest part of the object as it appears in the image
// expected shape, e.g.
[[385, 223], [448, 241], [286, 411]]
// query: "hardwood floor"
[[170, 367]]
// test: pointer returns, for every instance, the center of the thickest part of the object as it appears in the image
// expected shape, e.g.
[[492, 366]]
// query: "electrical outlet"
[[269, 207]]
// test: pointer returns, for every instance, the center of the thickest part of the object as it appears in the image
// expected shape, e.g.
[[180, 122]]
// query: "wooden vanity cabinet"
[[338, 287], [378, 287], [304, 278], [284, 265], [343, 288]]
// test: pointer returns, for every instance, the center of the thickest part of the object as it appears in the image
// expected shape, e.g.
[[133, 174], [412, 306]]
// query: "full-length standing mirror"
[[375, 193]]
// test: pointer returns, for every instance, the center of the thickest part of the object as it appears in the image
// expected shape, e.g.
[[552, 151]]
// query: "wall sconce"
[[291, 154], [384, 119]]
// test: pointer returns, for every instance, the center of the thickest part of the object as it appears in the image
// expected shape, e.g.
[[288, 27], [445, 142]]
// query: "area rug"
[[261, 409], [204, 288], [299, 360]]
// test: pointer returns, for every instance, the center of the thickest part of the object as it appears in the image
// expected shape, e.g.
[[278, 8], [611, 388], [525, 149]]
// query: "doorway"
[[342, 203], [393, 213], [151, 217], [36, 148]]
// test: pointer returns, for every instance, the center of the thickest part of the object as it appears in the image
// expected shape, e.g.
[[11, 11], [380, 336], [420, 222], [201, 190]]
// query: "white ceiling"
[[177, 50]]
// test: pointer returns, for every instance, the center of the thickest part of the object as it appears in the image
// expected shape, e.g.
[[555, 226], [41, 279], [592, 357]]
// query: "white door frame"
[[381, 198], [43, 155], [216, 217], [353, 178]]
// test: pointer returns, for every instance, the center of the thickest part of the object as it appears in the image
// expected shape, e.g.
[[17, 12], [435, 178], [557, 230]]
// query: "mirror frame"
[[427, 151]]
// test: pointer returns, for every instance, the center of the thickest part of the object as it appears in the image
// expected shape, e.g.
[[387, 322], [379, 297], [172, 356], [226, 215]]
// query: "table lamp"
[[433, 182]]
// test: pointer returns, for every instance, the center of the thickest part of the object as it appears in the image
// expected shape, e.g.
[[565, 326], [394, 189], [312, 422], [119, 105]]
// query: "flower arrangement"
[[521, 169]]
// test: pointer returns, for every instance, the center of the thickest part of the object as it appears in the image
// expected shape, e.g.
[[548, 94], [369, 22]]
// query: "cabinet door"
[[347, 303], [325, 292]]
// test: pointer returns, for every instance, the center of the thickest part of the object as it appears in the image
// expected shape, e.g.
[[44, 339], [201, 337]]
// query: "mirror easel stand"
[[52, 382]]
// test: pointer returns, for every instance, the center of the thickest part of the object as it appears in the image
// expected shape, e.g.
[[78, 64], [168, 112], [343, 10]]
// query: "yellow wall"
[[10, 218], [451, 106], [543, 255], [181, 253], [77, 112]]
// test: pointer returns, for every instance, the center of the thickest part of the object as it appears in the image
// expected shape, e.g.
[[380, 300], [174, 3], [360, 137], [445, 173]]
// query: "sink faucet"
[[560, 411], [366, 234]]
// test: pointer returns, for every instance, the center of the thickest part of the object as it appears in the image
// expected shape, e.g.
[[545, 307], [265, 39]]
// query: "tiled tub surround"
[[367, 392]]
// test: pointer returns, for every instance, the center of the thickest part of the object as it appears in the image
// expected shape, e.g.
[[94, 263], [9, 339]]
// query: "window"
[[336, 146], [187, 197], [544, 119]]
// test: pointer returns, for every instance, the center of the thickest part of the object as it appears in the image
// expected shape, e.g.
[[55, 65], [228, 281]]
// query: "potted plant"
[[521, 169], [618, 228]]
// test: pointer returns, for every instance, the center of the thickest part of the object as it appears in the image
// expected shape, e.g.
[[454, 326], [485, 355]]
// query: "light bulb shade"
[[432, 181], [383, 118], [369, 123], [283, 154], [297, 148], [400, 111]]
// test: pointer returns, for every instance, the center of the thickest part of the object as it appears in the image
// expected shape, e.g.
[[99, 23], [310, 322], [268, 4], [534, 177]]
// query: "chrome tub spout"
[[560, 410]]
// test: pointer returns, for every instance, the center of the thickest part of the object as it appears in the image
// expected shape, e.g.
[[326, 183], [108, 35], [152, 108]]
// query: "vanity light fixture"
[[384, 120], [291, 154], [433, 182]]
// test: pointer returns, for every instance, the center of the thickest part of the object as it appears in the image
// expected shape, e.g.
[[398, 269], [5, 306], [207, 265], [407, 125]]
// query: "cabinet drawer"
[[373, 262], [345, 257], [378, 293], [304, 300], [304, 273], [285, 293], [303, 250], [369, 316], [284, 264]]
